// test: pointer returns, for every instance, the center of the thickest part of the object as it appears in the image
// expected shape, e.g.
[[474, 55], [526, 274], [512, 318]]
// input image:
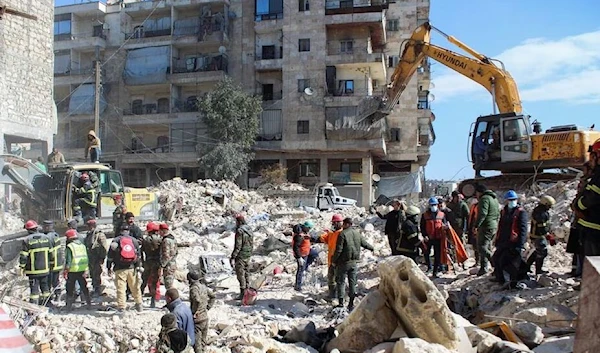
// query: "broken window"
[[304, 44], [302, 127]]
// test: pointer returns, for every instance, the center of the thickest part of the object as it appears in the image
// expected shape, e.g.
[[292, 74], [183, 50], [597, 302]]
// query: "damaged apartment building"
[[314, 62]]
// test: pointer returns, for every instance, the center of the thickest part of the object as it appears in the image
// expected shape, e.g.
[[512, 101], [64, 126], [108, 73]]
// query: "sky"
[[552, 50]]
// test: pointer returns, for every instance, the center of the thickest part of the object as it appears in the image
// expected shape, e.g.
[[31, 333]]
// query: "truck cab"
[[328, 197]]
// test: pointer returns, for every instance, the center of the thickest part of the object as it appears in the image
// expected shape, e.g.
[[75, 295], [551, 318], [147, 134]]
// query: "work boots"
[[152, 303], [351, 304], [138, 308], [70, 301], [241, 296]]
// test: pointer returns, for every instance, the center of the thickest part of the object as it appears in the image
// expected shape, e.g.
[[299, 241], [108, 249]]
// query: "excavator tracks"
[[520, 182]]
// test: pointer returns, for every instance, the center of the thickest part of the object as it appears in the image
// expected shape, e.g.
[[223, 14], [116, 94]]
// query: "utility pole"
[[97, 96]]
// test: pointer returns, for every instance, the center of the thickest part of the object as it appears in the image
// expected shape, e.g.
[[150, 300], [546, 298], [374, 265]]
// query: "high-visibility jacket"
[[77, 259], [330, 238], [36, 256], [87, 193], [433, 225], [300, 245]]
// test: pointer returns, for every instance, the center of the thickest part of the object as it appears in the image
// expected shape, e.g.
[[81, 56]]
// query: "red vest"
[[514, 228], [304, 245], [434, 226]]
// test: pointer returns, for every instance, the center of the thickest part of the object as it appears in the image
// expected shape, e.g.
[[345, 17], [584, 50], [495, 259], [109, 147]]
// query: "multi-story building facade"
[[315, 63]]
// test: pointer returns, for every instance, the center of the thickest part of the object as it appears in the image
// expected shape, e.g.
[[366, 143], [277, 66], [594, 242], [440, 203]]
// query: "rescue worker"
[[76, 264], [151, 262], [134, 230], [471, 233], [58, 251], [124, 259], [393, 223], [35, 260], [510, 240], [330, 238], [345, 258], [242, 251], [201, 300], [409, 241], [118, 214], [85, 199], [168, 255], [587, 207], [433, 227], [460, 210], [92, 147], [480, 149], [95, 244], [486, 225], [540, 230], [574, 241], [302, 251], [182, 312], [172, 339]]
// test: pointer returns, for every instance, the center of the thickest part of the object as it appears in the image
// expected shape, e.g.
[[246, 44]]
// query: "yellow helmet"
[[412, 211], [547, 200]]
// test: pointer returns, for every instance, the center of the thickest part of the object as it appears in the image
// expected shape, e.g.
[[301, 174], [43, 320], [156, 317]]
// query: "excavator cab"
[[508, 140]]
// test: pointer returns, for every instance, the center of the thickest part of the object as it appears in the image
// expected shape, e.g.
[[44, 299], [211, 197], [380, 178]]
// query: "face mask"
[[512, 203], [433, 208]]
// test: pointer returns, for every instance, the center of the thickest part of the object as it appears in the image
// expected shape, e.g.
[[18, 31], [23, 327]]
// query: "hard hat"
[[31, 225], [412, 211], [152, 227], [308, 224], [511, 195], [163, 226], [48, 223], [84, 176], [337, 218], [547, 200], [91, 222], [433, 201], [239, 216], [118, 197], [71, 233], [595, 148], [72, 223]]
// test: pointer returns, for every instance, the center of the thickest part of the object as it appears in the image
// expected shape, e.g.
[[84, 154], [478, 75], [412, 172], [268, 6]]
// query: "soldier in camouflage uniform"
[[118, 214], [151, 261], [201, 300], [168, 255], [172, 339], [95, 243], [240, 257]]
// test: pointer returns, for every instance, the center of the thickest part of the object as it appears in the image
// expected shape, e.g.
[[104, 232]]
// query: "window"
[[302, 127], [268, 52], [303, 5], [514, 130], [163, 105], [395, 134], [267, 92], [393, 25], [184, 137], [309, 169], [393, 60], [303, 84], [269, 10], [423, 102], [346, 46], [110, 182], [136, 107], [304, 44], [351, 167], [346, 87], [62, 27]]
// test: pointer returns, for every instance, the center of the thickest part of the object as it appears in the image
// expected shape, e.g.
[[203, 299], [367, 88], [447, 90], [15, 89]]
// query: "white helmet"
[[413, 211]]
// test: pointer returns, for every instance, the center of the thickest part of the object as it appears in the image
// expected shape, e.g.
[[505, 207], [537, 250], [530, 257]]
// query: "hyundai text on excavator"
[[49, 195], [516, 146]]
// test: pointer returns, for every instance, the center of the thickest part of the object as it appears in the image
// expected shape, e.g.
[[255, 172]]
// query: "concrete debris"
[[556, 345], [417, 345], [531, 334]]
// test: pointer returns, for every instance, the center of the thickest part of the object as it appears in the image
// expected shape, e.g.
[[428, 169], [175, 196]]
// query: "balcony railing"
[[349, 47], [269, 56], [186, 106], [148, 34], [76, 72], [271, 96], [81, 35], [353, 4], [268, 16], [200, 64], [149, 108]]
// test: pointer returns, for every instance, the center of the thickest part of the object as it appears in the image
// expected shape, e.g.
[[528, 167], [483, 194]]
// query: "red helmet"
[[152, 227], [595, 148], [337, 218], [84, 176], [239, 216], [71, 233], [163, 226], [31, 225], [118, 197], [91, 222]]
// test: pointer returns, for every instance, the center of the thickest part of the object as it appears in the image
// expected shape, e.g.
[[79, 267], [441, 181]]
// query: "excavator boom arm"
[[481, 70]]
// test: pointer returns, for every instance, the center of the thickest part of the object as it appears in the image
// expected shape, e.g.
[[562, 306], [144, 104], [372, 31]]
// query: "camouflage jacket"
[[164, 344], [95, 243], [201, 300], [168, 251], [243, 243], [118, 217]]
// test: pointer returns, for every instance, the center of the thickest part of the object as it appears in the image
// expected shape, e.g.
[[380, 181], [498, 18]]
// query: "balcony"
[[199, 35], [347, 54], [354, 6], [74, 77], [349, 14], [270, 129], [89, 9], [269, 24], [350, 92], [268, 61], [198, 70], [81, 41], [141, 38], [146, 6]]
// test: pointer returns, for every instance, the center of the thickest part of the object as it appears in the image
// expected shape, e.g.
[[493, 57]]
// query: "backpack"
[[152, 242], [128, 254]]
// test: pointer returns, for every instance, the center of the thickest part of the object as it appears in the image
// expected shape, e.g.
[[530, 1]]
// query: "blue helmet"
[[433, 201], [511, 195]]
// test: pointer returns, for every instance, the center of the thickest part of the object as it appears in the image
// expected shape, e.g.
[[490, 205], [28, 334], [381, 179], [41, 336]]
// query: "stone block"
[[483, 340], [587, 338], [417, 345], [558, 345], [419, 305], [370, 323], [531, 334]]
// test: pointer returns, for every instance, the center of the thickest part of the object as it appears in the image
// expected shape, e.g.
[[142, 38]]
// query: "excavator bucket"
[[30, 181]]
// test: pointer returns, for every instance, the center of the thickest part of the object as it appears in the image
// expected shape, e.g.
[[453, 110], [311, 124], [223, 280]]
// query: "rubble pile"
[[399, 310], [9, 223]]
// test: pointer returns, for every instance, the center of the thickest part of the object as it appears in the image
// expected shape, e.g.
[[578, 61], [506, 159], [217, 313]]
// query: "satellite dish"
[[309, 91], [431, 97], [222, 50], [375, 177]]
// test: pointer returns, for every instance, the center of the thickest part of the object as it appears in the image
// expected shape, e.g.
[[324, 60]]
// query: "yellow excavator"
[[515, 146]]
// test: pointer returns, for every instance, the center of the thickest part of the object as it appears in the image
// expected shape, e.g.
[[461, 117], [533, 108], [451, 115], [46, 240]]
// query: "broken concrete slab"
[[530, 333], [369, 324], [417, 302], [557, 316], [557, 345], [483, 340], [417, 345]]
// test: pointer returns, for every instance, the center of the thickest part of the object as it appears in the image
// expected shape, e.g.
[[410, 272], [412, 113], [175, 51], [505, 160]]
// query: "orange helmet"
[[71, 234], [31, 224], [337, 218], [152, 227]]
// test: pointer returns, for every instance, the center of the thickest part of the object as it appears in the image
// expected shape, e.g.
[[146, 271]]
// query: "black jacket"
[[409, 239], [393, 222], [114, 256], [540, 221], [505, 228], [588, 203]]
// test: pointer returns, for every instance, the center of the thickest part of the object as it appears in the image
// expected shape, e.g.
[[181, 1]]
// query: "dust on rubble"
[[201, 213]]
